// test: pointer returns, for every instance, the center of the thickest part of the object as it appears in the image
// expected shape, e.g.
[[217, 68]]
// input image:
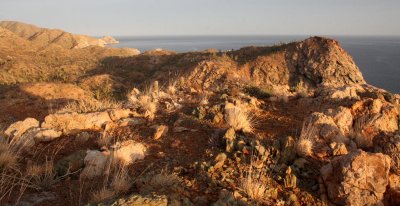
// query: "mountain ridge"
[[45, 36]]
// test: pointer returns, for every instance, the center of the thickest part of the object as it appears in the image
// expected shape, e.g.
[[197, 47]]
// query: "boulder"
[[46, 135], [128, 152], [17, 129], [390, 145], [393, 194], [95, 162], [71, 123], [343, 118], [359, 178], [345, 92]]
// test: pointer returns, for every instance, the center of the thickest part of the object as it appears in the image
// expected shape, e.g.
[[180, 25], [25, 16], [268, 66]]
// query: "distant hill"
[[44, 37]]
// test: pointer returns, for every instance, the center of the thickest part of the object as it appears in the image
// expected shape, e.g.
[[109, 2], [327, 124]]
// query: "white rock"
[[95, 162], [128, 152], [17, 129]]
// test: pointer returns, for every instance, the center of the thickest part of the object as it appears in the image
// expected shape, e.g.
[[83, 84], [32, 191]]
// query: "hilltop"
[[289, 124]]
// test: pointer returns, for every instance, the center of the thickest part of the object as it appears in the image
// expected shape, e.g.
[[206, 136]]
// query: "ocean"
[[377, 57]]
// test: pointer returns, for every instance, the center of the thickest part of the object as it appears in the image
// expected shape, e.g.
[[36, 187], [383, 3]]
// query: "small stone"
[[218, 118], [131, 122], [230, 140], [338, 149], [220, 160], [161, 131]]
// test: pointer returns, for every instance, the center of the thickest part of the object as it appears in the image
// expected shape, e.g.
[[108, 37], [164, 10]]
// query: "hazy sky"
[[209, 17]]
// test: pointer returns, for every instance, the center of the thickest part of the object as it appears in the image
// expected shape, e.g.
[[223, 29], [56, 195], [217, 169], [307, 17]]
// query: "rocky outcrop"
[[359, 178], [323, 61], [305, 65]]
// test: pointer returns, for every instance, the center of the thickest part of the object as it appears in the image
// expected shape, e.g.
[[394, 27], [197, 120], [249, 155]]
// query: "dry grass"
[[85, 106], [171, 88], [305, 144], [102, 195], [238, 119], [8, 160], [147, 104], [121, 181], [257, 187], [161, 182], [358, 133], [42, 177]]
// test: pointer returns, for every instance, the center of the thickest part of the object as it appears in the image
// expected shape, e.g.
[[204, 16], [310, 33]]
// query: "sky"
[[209, 17]]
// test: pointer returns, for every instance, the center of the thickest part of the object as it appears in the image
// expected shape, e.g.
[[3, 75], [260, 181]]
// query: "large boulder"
[[70, 123], [359, 178]]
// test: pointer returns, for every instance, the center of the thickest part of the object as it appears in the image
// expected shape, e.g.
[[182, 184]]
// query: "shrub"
[[256, 185], [239, 119], [162, 182], [362, 140], [259, 92], [102, 195], [121, 182], [8, 160], [305, 143]]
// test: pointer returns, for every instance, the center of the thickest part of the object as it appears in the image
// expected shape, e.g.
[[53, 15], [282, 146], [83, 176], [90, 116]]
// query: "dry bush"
[[102, 195], [8, 160], [171, 88], [42, 177], [121, 181], [85, 106], [163, 181], [238, 119], [147, 104], [12, 180], [257, 186], [305, 144], [362, 140]]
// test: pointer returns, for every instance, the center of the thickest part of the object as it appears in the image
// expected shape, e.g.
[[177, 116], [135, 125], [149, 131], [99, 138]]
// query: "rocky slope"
[[44, 37], [291, 124]]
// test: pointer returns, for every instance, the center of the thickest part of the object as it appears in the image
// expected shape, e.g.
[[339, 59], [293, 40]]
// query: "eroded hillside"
[[291, 124]]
